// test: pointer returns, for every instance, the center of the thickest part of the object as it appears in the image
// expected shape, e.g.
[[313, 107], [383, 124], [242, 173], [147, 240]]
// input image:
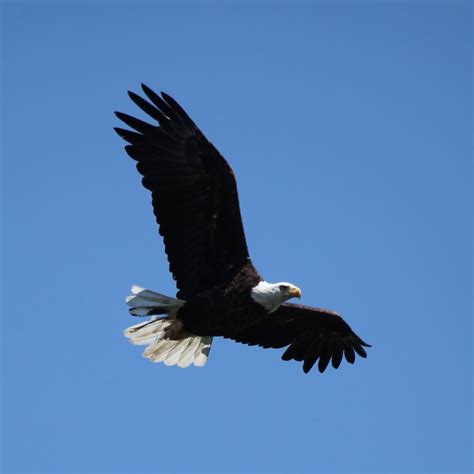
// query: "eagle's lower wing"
[[194, 194], [312, 334]]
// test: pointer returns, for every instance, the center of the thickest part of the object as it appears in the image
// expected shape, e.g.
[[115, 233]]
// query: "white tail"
[[163, 334]]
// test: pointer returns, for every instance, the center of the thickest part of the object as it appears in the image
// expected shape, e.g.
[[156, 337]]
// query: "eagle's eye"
[[283, 287]]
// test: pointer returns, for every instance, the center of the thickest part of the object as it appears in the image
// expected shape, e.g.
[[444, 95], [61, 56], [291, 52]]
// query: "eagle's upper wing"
[[194, 194], [310, 333]]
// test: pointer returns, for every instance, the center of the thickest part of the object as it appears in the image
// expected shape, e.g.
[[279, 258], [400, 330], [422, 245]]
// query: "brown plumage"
[[195, 201]]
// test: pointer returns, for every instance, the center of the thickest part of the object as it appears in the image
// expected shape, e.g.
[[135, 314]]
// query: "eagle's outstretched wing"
[[310, 333], [194, 194]]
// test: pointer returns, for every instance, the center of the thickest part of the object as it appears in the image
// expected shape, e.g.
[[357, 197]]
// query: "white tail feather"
[[188, 355], [183, 349], [203, 352], [145, 302]]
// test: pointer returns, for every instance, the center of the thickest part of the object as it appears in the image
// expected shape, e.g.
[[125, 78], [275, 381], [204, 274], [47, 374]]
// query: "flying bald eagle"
[[220, 293]]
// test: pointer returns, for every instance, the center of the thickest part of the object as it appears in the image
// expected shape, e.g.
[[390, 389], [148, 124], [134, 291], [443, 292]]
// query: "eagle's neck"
[[268, 295]]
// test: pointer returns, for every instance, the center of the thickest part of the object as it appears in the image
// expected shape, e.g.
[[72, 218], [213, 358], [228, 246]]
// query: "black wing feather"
[[194, 194], [311, 334], [337, 353]]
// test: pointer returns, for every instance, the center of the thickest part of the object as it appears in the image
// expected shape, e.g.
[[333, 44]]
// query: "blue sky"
[[349, 127]]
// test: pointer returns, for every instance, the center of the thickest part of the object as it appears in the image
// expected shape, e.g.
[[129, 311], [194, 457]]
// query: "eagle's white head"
[[272, 295]]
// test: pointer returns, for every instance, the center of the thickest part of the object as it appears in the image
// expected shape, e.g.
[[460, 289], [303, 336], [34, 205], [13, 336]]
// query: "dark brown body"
[[223, 310]]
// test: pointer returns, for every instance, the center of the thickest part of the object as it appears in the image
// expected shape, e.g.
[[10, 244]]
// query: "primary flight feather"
[[220, 293]]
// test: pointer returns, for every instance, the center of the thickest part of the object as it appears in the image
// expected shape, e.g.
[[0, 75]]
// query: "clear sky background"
[[348, 125]]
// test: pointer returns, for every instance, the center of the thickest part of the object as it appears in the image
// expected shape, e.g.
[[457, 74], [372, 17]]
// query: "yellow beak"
[[294, 291]]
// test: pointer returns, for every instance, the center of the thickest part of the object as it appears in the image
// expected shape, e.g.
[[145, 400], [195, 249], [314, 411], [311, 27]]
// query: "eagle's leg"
[[173, 330]]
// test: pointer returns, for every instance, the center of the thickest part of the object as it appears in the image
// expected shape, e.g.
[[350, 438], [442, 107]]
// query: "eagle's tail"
[[163, 333]]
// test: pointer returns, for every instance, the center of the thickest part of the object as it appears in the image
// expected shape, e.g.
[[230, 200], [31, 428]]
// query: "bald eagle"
[[220, 293]]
